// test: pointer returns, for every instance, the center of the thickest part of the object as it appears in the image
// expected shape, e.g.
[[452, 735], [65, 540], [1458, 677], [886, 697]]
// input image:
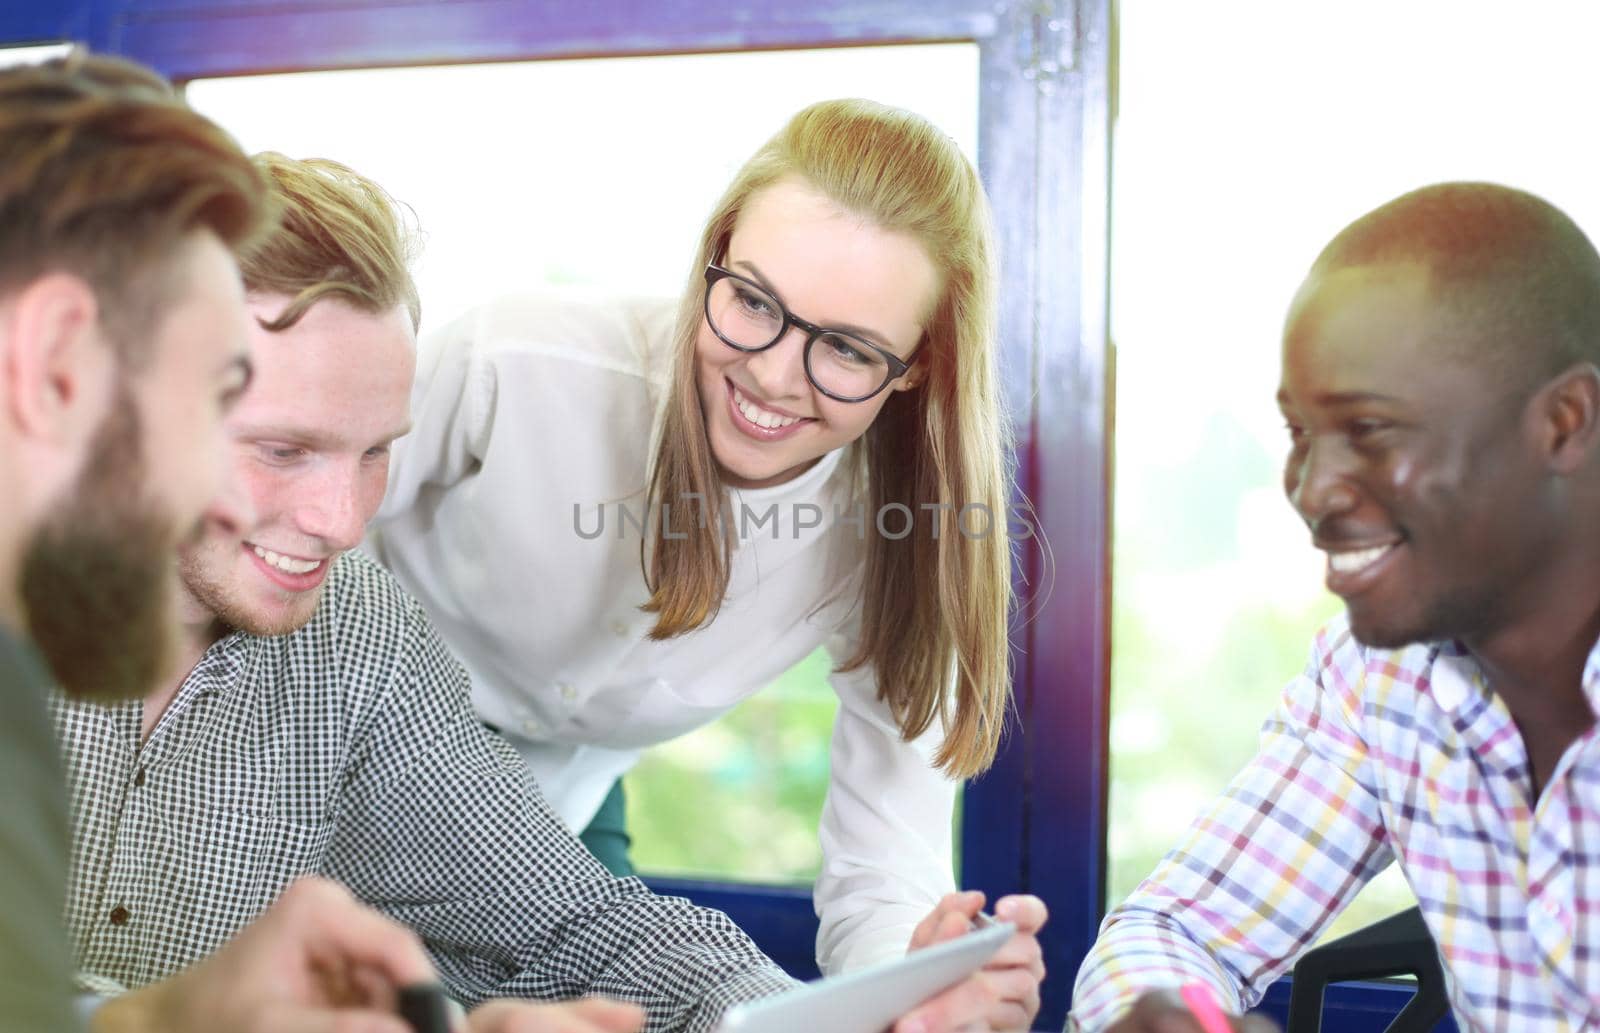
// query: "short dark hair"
[[104, 170], [1517, 266]]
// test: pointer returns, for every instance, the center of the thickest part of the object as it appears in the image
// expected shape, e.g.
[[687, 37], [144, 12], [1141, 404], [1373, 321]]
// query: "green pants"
[[607, 835]]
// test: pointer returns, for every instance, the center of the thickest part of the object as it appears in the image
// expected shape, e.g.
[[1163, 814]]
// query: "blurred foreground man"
[[1441, 385], [123, 341]]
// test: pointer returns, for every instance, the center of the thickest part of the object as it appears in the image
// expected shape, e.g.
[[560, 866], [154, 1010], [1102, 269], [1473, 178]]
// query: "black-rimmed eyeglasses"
[[843, 366]]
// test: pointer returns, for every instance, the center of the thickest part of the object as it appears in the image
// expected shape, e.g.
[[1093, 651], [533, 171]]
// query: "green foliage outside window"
[[740, 799]]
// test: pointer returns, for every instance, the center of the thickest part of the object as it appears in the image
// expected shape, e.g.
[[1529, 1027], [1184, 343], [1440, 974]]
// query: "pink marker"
[[1203, 1006]]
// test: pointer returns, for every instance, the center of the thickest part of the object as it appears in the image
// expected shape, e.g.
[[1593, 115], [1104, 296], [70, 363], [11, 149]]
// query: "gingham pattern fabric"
[[350, 749], [1373, 756]]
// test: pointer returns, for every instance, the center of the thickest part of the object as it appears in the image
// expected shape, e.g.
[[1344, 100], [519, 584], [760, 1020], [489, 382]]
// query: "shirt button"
[[568, 693], [530, 727], [138, 779], [619, 629], [119, 915]]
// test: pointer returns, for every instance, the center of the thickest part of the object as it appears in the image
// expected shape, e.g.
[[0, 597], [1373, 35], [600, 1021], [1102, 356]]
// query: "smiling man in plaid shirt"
[[1441, 388], [323, 728]]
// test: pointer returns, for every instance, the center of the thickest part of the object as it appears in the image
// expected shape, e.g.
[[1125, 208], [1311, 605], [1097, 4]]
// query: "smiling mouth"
[[756, 416], [1357, 560], [287, 564]]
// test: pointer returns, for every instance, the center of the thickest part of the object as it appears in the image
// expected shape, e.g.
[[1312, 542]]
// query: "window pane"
[[740, 799], [596, 175], [32, 52], [591, 174], [1249, 132]]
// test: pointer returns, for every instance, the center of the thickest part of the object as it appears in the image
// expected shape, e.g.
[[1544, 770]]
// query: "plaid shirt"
[[1374, 756], [350, 749]]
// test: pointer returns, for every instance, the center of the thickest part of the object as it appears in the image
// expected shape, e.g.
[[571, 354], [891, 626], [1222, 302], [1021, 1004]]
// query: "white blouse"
[[513, 513]]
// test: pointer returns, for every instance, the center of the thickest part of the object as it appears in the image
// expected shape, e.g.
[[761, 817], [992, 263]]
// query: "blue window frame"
[[1036, 822]]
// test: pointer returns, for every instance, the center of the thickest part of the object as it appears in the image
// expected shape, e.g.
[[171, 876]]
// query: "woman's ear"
[[915, 374]]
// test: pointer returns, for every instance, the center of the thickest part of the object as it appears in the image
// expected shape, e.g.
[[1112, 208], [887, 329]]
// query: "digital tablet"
[[869, 1001]]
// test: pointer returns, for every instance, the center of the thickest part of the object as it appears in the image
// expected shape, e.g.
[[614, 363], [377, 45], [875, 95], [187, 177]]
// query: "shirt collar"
[[224, 662], [1454, 676], [1591, 678], [20, 661]]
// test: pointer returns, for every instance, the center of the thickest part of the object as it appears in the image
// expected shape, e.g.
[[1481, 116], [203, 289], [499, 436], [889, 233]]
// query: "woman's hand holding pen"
[[1004, 994]]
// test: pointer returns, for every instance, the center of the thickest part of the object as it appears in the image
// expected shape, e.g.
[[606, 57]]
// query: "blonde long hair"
[[933, 605]]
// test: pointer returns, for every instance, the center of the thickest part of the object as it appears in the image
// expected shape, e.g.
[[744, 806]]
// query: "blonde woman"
[[625, 519]]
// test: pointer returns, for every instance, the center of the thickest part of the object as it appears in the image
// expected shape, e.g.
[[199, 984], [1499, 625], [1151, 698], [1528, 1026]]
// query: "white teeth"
[[759, 416], [1350, 562], [285, 563]]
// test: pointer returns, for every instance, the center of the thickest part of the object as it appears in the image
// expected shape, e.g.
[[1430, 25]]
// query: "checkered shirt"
[[350, 749], [1376, 756]]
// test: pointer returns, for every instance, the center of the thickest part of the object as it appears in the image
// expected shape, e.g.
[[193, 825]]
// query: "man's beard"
[[98, 582], [226, 602], [207, 570]]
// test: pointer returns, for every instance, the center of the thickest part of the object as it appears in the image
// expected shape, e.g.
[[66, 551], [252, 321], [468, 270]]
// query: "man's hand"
[[1163, 1011], [314, 962], [1004, 994], [591, 1015]]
